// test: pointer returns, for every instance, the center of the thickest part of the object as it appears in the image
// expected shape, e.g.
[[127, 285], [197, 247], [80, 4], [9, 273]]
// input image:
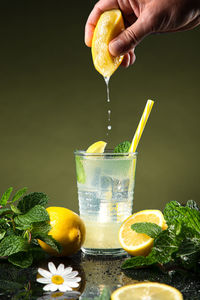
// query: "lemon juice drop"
[[107, 88], [108, 101]]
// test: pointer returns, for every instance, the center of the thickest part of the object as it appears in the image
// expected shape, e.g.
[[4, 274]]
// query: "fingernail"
[[116, 47]]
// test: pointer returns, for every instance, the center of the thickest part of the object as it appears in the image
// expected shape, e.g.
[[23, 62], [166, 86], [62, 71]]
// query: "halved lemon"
[[97, 147], [138, 243], [110, 25], [147, 291]]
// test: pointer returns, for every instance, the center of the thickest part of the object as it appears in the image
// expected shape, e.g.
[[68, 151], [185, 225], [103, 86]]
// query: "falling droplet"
[[109, 112]]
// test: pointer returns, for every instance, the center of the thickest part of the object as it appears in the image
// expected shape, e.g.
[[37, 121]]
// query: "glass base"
[[107, 252]]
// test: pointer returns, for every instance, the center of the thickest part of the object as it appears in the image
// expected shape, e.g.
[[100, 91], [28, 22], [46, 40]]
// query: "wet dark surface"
[[96, 274]]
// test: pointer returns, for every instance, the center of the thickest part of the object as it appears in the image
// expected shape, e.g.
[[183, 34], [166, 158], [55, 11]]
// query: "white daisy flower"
[[62, 279]]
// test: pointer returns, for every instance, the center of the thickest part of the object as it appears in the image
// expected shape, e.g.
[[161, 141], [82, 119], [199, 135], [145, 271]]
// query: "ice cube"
[[105, 188], [117, 185], [125, 184], [96, 177], [88, 203], [106, 182], [120, 188]]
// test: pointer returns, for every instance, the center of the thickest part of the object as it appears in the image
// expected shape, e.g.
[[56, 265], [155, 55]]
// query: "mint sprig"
[[178, 244], [22, 225], [122, 147]]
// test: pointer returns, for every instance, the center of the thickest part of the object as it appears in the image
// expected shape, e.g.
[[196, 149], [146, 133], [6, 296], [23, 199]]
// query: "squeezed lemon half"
[[110, 25]]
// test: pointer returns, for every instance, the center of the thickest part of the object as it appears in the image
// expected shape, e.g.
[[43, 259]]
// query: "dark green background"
[[53, 101]]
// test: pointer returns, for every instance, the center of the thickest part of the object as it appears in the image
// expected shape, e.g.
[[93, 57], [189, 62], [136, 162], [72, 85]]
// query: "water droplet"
[[109, 112], [109, 127]]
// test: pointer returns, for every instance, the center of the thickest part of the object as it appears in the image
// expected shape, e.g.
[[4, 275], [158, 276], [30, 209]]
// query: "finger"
[[129, 59], [132, 57], [131, 36], [126, 60], [99, 8]]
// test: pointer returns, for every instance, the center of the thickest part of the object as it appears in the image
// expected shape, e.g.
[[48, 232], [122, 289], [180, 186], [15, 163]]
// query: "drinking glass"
[[105, 183]]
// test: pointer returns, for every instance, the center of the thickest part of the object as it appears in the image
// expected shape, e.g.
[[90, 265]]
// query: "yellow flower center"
[[55, 295], [57, 279]]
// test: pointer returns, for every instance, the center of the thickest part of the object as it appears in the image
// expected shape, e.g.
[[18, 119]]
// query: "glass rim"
[[84, 153]]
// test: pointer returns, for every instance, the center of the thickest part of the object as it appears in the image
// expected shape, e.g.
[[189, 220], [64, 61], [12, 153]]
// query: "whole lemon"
[[67, 228]]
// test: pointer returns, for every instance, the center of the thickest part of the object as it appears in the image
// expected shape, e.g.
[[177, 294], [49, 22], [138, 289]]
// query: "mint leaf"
[[150, 229], [36, 214], [49, 240], [6, 196], [19, 194], [192, 204], [10, 231], [139, 261], [15, 209], [24, 227], [122, 147], [80, 172], [13, 244], [189, 253], [21, 259], [2, 233], [165, 245], [4, 211], [40, 227], [174, 213], [2, 221], [31, 200]]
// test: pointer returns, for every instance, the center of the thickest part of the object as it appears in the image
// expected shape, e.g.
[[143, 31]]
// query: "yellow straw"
[[141, 126]]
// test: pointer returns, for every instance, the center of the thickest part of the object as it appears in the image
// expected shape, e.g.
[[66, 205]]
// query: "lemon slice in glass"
[[110, 25], [97, 147]]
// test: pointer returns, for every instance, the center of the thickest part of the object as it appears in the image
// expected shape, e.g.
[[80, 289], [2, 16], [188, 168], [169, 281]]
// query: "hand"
[[144, 17]]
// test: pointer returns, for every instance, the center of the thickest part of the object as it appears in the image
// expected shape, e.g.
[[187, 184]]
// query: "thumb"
[[131, 36]]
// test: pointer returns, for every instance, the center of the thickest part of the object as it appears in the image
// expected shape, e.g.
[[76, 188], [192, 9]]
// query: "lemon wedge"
[[147, 290], [110, 25], [138, 243], [97, 147]]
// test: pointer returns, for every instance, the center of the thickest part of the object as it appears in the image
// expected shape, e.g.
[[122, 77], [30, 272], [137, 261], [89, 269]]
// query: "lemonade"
[[105, 193]]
